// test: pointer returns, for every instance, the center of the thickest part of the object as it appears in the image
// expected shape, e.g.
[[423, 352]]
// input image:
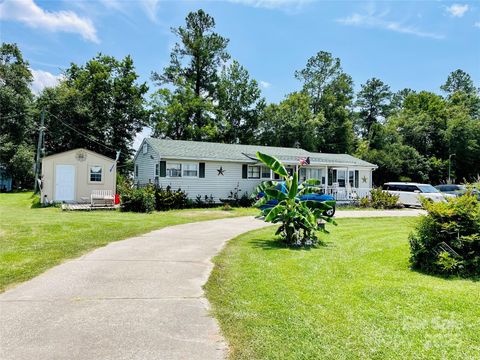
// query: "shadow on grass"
[[473, 278], [277, 244]]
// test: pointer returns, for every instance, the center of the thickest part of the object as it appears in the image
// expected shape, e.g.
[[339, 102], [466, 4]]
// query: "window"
[[190, 170], [254, 172], [427, 189], [157, 170], [95, 173], [174, 170], [265, 172], [145, 148], [302, 174], [136, 170], [315, 174], [341, 178]]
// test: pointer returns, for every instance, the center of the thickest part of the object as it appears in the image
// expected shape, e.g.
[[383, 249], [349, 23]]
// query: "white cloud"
[[457, 10], [29, 13], [43, 79], [377, 20], [265, 84], [151, 7], [477, 24], [273, 4]]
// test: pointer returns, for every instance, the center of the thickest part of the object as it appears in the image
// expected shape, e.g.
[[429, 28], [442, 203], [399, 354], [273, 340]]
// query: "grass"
[[355, 298], [35, 239]]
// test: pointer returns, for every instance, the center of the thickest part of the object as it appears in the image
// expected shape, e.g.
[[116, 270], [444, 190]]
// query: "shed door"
[[64, 182]]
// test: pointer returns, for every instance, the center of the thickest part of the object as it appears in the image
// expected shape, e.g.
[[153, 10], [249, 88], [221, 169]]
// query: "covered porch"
[[344, 183]]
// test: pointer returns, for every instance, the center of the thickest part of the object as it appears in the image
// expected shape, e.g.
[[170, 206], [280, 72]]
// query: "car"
[[456, 190], [453, 189], [327, 199], [410, 194]]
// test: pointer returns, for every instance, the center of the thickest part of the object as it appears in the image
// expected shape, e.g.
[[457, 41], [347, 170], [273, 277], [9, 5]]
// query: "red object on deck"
[[117, 199]]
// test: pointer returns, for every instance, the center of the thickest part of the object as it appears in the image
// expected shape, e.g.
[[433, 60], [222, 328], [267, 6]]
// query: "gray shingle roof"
[[198, 150]]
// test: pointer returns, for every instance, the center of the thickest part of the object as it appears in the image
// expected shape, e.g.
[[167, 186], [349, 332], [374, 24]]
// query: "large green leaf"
[[275, 194], [260, 202], [273, 214], [292, 192], [310, 190], [264, 185], [273, 164], [316, 205], [314, 182]]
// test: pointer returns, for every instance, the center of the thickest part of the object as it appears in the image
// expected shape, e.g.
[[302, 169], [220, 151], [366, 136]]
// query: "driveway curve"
[[139, 298]]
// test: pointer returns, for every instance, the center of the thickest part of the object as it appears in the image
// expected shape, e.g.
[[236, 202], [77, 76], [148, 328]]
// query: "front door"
[[64, 183]]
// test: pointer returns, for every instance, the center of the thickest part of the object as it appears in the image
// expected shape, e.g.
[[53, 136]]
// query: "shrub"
[[166, 199], [380, 199], [245, 201], [447, 239], [138, 200], [300, 220], [204, 202], [234, 199], [124, 184]]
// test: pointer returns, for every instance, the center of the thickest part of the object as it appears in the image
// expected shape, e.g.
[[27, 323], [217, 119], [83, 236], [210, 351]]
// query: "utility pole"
[[39, 149], [450, 167]]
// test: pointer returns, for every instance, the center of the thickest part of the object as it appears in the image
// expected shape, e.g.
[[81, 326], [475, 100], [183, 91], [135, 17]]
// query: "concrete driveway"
[[139, 298]]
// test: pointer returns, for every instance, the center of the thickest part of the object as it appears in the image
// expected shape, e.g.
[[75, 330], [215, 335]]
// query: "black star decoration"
[[364, 179], [221, 171]]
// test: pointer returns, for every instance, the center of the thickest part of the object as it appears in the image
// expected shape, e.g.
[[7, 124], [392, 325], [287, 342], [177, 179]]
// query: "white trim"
[[90, 174], [259, 172], [167, 175], [189, 176]]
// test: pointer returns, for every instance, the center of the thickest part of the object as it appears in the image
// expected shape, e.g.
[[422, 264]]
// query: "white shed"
[[71, 176]]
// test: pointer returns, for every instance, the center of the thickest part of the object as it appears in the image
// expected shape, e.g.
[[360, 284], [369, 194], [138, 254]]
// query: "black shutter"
[[244, 171], [201, 170], [163, 168]]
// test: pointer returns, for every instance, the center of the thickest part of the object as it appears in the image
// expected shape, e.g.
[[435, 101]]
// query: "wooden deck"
[[86, 207]]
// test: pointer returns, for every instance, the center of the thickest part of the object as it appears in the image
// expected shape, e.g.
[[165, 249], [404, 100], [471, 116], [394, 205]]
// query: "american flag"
[[305, 161]]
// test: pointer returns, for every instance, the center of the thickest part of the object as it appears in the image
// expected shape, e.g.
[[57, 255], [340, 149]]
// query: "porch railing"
[[347, 194]]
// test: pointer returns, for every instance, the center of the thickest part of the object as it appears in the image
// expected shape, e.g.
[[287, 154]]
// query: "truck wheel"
[[329, 212]]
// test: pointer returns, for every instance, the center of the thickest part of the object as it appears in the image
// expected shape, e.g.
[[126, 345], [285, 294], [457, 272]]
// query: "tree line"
[[203, 94]]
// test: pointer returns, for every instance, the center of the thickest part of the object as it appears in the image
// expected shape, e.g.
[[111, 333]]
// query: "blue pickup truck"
[[328, 199]]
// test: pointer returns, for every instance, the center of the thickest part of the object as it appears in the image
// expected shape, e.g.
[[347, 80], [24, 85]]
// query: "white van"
[[411, 193]]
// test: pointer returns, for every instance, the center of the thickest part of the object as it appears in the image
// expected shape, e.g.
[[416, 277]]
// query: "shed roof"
[[199, 150], [77, 149]]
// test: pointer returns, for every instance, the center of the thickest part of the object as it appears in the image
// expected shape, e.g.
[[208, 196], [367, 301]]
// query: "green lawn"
[[35, 239], [355, 298]]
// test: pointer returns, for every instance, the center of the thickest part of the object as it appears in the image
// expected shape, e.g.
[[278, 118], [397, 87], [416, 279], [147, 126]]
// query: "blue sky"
[[406, 44]]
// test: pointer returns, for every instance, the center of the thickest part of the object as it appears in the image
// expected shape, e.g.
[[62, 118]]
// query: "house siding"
[[213, 184], [146, 165]]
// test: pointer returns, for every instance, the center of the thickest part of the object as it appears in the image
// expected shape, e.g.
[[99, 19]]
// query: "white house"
[[72, 176], [214, 169]]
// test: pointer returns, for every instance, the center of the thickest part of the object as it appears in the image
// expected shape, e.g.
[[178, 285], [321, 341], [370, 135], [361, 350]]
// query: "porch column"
[[347, 181], [326, 180]]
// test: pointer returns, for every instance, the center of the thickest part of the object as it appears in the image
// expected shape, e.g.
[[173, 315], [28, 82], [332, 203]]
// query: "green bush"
[[166, 199], [447, 239], [204, 202], [380, 199], [138, 200]]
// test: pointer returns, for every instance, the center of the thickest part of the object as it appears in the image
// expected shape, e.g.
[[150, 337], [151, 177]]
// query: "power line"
[[89, 137]]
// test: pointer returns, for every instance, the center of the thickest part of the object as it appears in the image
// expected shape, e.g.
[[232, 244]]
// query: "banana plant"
[[300, 220]]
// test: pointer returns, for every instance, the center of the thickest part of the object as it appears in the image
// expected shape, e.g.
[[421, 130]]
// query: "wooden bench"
[[102, 197]]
